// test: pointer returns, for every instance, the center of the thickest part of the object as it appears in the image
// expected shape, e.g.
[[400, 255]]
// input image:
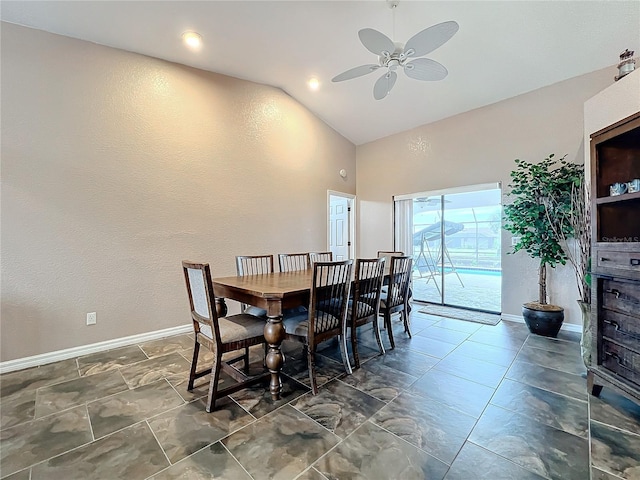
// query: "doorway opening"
[[454, 236], [341, 225]]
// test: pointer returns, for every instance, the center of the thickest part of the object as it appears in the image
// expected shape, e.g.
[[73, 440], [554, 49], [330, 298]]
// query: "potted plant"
[[578, 251], [538, 217]]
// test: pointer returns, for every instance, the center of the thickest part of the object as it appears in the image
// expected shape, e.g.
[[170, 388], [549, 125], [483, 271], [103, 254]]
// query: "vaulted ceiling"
[[502, 49]]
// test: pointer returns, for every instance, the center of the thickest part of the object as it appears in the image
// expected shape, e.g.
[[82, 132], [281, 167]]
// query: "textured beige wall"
[[473, 148], [116, 166]]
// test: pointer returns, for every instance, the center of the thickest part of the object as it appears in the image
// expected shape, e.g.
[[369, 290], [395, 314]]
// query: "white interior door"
[[340, 226]]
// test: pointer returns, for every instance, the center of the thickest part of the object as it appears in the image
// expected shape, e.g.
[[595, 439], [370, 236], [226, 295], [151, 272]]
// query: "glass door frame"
[[402, 243]]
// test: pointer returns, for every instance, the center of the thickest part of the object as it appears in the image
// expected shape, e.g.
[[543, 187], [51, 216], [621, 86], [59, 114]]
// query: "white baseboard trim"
[[570, 327], [73, 352]]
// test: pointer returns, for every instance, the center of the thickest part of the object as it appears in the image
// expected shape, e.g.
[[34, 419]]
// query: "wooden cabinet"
[[615, 304]]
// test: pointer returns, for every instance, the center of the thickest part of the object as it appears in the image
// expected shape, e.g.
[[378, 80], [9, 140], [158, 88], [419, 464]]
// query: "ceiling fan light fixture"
[[392, 55]]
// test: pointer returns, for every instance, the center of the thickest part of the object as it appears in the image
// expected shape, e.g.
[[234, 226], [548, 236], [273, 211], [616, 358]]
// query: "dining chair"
[[364, 304], [388, 255], [219, 334], [326, 316], [396, 298], [254, 265], [320, 257], [293, 262]]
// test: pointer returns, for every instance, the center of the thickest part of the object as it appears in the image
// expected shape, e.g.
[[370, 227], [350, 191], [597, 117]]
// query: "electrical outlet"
[[514, 241], [91, 318]]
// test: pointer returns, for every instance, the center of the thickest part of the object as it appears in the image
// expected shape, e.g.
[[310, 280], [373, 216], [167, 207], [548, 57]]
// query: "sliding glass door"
[[454, 237]]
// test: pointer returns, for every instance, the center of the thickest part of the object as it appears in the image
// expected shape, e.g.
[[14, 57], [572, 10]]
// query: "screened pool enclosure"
[[454, 237]]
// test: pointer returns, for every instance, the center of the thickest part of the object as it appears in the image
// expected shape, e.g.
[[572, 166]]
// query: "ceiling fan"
[[392, 56]]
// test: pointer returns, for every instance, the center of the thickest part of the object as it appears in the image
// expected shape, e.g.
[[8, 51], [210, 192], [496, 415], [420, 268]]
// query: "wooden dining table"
[[274, 292]]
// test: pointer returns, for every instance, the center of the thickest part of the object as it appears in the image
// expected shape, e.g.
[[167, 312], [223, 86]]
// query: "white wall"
[[473, 148], [116, 167]]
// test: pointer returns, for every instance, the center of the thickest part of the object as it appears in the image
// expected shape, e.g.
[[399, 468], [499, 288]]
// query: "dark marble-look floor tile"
[[131, 406], [81, 390], [408, 361], [553, 345], [458, 325], [379, 381], [474, 462], [152, 370], [185, 430], [478, 371], [615, 451], [564, 413], [311, 474], [332, 350], [569, 336], [597, 474], [419, 321], [164, 346], [549, 379], [130, 453], [444, 335], [338, 407], [257, 400], [211, 462], [21, 475], [612, 408], [488, 353], [17, 408], [430, 346], [33, 442], [537, 447], [569, 363], [371, 453], [280, 445], [326, 369], [110, 360], [464, 395], [432, 426], [505, 327], [200, 385], [37, 377], [205, 356], [498, 339]]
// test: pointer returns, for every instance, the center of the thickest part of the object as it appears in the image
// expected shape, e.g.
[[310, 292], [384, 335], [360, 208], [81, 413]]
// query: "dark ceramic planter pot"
[[543, 322]]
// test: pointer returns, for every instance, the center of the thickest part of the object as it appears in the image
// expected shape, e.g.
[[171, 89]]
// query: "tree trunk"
[[542, 282]]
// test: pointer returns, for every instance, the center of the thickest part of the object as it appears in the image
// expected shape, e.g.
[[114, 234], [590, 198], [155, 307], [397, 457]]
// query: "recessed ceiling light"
[[313, 83], [192, 39]]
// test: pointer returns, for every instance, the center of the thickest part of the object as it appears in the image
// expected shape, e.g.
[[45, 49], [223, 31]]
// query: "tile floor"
[[458, 401]]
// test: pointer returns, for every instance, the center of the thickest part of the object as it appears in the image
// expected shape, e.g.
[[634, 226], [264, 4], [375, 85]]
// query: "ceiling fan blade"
[[376, 42], [430, 38], [355, 72], [425, 69], [384, 85]]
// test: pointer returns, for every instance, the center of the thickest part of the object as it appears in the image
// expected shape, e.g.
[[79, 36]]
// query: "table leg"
[[274, 335]]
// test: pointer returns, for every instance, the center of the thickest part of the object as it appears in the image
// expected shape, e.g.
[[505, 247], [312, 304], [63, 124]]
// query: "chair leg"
[[246, 360], [376, 329], [407, 323], [354, 347], [387, 322], [311, 360], [213, 384], [343, 352], [194, 363]]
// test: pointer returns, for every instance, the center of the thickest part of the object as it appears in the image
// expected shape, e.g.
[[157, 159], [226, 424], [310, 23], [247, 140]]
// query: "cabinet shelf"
[[618, 198]]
